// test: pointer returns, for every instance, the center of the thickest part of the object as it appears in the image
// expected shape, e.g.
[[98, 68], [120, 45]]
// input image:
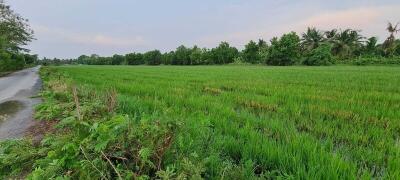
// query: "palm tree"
[[370, 47], [346, 42], [392, 28], [389, 44], [312, 38], [331, 34]]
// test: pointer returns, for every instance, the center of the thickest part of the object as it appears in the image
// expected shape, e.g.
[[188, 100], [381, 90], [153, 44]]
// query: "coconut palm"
[[393, 28], [346, 42], [312, 38], [370, 47], [389, 44], [331, 34]]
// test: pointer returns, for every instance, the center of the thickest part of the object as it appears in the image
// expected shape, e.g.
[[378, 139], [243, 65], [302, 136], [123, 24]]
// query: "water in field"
[[9, 108]]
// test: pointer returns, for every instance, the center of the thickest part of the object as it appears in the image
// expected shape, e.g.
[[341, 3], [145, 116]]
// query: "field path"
[[16, 104]]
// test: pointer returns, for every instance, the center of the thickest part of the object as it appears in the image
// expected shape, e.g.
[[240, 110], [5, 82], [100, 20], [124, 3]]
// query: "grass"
[[241, 122], [320, 122]]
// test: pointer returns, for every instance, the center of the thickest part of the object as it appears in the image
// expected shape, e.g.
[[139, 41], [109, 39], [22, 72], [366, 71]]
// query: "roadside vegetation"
[[14, 34], [214, 122]]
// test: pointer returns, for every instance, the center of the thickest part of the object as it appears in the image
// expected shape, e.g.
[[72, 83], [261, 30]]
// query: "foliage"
[[389, 46], [11, 61], [319, 56], [311, 39], [224, 53], [373, 60], [14, 30], [255, 53], [134, 59], [197, 56], [14, 33], [17, 156], [346, 44], [370, 47], [285, 50], [118, 60], [251, 53], [182, 56], [152, 57]]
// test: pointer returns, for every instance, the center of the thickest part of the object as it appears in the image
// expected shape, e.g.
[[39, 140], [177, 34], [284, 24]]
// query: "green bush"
[[17, 156], [11, 62], [319, 56], [284, 51], [376, 60]]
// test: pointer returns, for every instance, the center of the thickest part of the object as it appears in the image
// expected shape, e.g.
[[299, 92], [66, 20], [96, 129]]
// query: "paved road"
[[16, 104]]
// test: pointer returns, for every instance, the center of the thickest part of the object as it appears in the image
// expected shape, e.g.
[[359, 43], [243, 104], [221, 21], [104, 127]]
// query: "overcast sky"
[[69, 28]]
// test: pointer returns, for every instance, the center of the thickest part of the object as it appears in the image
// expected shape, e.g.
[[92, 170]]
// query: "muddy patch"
[[9, 109]]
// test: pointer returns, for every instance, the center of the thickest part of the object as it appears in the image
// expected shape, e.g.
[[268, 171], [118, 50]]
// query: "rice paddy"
[[339, 122]]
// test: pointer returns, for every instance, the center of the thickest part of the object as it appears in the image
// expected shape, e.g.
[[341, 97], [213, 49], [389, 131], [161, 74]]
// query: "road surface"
[[16, 102]]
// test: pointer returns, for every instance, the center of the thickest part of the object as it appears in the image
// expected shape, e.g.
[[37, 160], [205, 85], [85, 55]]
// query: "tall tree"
[[168, 58], [346, 43], [370, 47], [134, 59], [251, 53], [311, 39], [330, 35], [182, 56], [389, 45], [117, 59], [224, 53], [196, 56], [152, 57], [15, 31], [284, 51]]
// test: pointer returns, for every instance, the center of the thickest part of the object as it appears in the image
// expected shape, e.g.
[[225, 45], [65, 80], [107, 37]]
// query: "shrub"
[[319, 56], [376, 60], [239, 61], [11, 62]]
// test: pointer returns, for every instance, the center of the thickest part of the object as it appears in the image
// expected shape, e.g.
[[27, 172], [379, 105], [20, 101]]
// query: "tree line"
[[313, 47], [15, 33]]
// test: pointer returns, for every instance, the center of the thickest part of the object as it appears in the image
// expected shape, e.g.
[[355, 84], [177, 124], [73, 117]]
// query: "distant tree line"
[[313, 47], [14, 33]]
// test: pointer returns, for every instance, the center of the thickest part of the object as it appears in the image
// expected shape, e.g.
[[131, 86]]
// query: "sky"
[[70, 28]]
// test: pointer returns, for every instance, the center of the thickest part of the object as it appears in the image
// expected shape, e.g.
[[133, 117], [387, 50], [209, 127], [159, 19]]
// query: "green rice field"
[[241, 122]]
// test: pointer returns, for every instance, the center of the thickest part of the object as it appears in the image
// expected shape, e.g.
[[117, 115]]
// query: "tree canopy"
[[15, 33]]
